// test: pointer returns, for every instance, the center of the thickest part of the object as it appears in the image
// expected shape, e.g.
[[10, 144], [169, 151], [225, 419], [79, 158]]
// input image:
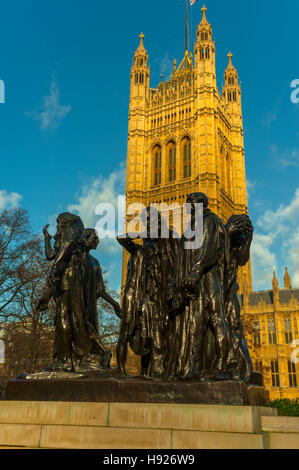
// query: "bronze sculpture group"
[[180, 308]]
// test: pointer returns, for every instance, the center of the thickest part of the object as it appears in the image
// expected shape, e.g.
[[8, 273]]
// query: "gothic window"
[[171, 152], [141, 62], [206, 36], [186, 151], [234, 96], [296, 328], [275, 374], [141, 78], [228, 175], [202, 36], [202, 53], [272, 332], [288, 331], [157, 162], [136, 77], [207, 53], [256, 333], [229, 95], [223, 172], [292, 374]]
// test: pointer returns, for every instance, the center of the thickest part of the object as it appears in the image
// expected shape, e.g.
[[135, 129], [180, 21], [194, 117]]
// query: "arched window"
[[171, 153], [234, 96], [186, 153], [228, 174], [136, 77], [157, 163], [141, 78], [223, 172]]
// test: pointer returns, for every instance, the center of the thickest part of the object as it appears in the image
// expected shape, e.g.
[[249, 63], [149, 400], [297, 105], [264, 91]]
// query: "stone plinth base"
[[67, 425], [137, 390]]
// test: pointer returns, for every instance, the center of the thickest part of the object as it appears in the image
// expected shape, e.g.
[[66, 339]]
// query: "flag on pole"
[[192, 2]]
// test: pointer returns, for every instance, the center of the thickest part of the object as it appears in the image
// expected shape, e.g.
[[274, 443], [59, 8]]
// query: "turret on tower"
[[275, 287], [204, 52], [139, 93], [140, 73], [287, 280], [231, 92]]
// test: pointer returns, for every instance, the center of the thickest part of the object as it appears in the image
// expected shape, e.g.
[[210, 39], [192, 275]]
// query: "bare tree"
[[18, 249], [28, 334], [108, 322]]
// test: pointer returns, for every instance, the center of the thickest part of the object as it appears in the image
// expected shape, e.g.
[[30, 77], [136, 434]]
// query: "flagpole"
[[187, 45]]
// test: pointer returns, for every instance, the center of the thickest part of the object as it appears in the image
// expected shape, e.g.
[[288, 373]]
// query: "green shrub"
[[286, 407]]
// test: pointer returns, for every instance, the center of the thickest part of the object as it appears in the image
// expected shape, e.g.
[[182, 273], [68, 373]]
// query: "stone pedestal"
[[137, 390], [68, 425]]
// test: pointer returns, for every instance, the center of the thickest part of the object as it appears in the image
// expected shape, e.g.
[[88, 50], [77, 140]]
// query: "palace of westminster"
[[185, 136]]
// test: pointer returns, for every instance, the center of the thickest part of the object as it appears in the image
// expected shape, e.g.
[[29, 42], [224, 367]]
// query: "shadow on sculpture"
[[180, 313]]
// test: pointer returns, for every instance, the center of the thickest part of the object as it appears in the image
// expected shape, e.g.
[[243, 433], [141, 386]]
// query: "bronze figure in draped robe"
[[93, 289], [198, 303], [240, 231], [77, 345], [145, 302]]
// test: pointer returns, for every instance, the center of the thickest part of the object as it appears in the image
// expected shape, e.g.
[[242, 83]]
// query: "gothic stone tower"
[[185, 136]]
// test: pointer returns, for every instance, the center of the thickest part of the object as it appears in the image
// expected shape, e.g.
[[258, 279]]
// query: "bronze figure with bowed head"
[[145, 302], [75, 283], [240, 231], [198, 303]]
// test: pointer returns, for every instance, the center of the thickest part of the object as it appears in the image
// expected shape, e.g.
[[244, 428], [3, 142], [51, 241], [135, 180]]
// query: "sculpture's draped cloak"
[[133, 294], [74, 348], [159, 260], [93, 285], [185, 346], [145, 300], [239, 256]]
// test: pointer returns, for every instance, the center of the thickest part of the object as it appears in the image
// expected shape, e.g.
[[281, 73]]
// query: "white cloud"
[[99, 189], [269, 118], [165, 66], [250, 185], [9, 200], [287, 158], [95, 191], [263, 260], [277, 235], [51, 114]]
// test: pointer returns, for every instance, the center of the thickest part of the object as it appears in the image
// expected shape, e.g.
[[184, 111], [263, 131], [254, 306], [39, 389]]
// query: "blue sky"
[[63, 133]]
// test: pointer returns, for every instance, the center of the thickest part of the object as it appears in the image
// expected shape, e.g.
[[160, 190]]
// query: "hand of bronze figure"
[[189, 287], [54, 278], [46, 233]]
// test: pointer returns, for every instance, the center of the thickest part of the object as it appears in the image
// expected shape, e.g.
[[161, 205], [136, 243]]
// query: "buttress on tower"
[[185, 136]]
